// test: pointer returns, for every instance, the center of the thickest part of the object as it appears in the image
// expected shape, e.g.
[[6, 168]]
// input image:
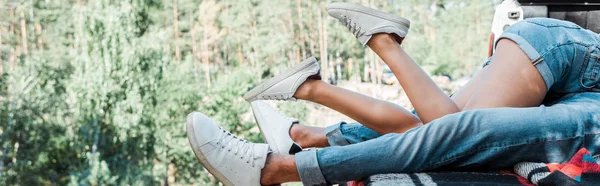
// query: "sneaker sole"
[[191, 133], [370, 11], [262, 87]]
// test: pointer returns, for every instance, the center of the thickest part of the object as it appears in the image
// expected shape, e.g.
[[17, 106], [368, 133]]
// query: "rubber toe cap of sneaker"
[[201, 128]]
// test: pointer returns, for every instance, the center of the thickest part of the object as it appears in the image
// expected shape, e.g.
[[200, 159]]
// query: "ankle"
[[382, 39], [307, 136], [306, 90], [279, 169], [268, 172], [298, 134]]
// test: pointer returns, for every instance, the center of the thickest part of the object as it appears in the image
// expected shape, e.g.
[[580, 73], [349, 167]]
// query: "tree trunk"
[[40, 43], [1, 34], [206, 65], [12, 58], [320, 24], [253, 59], [239, 54], [205, 51], [338, 67], [323, 44], [291, 56], [299, 56], [311, 45], [176, 30], [23, 34], [378, 69], [366, 72], [302, 40], [350, 65], [12, 22], [1, 54], [292, 32], [194, 44]]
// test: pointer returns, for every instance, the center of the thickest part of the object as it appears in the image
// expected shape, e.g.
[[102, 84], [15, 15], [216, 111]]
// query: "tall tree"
[[23, 34], [176, 29], [211, 33]]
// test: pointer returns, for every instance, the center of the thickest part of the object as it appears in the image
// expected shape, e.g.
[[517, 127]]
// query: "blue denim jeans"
[[568, 59]]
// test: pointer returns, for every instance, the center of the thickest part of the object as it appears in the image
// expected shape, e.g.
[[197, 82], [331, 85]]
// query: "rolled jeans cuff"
[[335, 136], [308, 168]]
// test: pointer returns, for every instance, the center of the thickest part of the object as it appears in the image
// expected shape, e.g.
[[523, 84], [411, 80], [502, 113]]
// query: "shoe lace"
[[351, 25], [237, 145]]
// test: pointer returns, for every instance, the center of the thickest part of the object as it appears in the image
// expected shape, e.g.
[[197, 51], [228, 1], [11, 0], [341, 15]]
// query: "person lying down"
[[538, 94]]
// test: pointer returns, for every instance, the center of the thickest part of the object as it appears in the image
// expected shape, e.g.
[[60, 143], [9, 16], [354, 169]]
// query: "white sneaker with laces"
[[275, 128], [284, 85], [363, 22], [230, 159]]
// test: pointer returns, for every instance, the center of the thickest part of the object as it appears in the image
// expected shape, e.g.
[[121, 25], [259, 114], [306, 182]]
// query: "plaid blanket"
[[582, 169], [443, 178]]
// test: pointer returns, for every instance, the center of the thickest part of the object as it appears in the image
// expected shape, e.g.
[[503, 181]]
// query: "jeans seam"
[[546, 51], [582, 75], [561, 26], [565, 71], [543, 56], [595, 67], [454, 157]]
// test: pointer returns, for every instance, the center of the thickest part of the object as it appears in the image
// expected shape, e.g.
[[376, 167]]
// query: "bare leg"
[[307, 136], [384, 117], [427, 98], [381, 116], [525, 88], [462, 96], [489, 89], [279, 169], [509, 81]]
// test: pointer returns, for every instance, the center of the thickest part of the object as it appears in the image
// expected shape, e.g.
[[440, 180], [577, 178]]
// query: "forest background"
[[96, 92]]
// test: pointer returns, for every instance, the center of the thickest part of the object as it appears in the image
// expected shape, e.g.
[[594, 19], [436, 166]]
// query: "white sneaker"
[[230, 159], [284, 85], [275, 128], [363, 22]]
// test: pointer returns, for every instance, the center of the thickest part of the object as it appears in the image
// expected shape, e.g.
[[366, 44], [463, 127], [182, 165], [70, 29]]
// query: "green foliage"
[[99, 97]]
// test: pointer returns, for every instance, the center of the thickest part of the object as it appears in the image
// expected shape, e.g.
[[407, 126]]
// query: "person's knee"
[[393, 120]]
